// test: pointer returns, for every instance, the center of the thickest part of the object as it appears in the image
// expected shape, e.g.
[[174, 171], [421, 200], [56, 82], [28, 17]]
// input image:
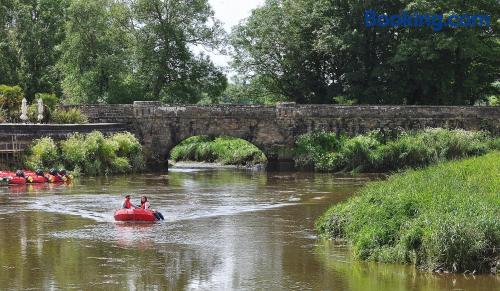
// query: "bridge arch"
[[162, 128], [211, 148]]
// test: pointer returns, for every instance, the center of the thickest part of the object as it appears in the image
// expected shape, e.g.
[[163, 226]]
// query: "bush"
[[94, 154], [50, 100], [378, 153], [33, 113], [68, 116], [10, 101], [224, 150], [444, 216], [314, 148], [130, 148], [74, 150], [120, 165], [43, 154]]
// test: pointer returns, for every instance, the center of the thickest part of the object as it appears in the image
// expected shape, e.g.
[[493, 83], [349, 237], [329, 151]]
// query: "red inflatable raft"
[[17, 181], [35, 179], [11, 178], [134, 215]]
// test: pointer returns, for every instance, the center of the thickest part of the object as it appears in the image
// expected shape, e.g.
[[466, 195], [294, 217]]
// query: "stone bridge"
[[274, 129]]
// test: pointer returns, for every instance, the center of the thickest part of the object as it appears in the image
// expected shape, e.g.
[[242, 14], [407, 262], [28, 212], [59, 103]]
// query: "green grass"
[[224, 150], [445, 216], [376, 152]]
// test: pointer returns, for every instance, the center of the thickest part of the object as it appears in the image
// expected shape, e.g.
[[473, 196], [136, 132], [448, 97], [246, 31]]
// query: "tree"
[[166, 30], [276, 44], [249, 92], [97, 59], [8, 60], [38, 29], [312, 51]]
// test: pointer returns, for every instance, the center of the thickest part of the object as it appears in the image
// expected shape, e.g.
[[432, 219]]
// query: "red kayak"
[[11, 178], [54, 178], [17, 181], [35, 179], [134, 215]]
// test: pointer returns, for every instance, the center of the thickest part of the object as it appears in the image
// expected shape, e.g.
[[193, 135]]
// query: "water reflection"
[[223, 230]]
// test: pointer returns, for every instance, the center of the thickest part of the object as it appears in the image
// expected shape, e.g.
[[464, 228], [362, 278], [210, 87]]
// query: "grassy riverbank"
[[376, 152], [445, 217], [224, 150]]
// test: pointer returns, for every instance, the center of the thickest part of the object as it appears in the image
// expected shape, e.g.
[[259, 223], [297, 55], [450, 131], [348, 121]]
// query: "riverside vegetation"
[[329, 152], [377, 152], [443, 218], [89, 154], [224, 150]]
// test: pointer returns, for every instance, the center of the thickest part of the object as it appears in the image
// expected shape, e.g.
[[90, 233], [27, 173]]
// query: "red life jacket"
[[127, 204], [143, 205]]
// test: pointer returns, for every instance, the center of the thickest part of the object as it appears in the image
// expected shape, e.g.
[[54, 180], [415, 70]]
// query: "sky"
[[231, 12]]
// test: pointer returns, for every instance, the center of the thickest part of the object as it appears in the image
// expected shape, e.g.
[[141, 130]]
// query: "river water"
[[223, 230]]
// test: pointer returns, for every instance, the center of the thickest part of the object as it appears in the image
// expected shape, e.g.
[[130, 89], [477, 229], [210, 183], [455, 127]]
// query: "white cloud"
[[230, 13]]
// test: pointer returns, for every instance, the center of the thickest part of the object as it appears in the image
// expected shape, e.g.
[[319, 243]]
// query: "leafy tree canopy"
[[315, 50]]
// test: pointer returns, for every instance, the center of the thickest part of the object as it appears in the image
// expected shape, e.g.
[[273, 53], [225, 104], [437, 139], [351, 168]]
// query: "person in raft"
[[127, 204], [146, 205]]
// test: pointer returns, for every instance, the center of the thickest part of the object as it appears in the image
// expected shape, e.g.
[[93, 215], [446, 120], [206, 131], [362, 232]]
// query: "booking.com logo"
[[435, 21]]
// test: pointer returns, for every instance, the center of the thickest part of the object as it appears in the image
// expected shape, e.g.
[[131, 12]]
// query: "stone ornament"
[[40, 110], [24, 110]]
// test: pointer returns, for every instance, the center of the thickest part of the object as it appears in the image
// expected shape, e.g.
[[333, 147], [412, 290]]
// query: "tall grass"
[[90, 154], [446, 216], [224, 150], [375, 152]]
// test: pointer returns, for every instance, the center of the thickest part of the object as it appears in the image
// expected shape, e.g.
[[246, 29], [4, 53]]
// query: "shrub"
[[33, 113], [50, 100], [357, 154], [10, 101], [67, 116], [43, 154], [314, 147], [120, 165], [129, 147], [93, 154], [444, 216], [376, 152], [74, 151], [224, 150]]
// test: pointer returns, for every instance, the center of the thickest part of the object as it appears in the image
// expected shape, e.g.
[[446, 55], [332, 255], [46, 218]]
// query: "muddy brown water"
[[224, 230]]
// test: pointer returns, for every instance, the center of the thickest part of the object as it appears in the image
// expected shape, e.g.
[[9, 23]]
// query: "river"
[[223, 230]]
